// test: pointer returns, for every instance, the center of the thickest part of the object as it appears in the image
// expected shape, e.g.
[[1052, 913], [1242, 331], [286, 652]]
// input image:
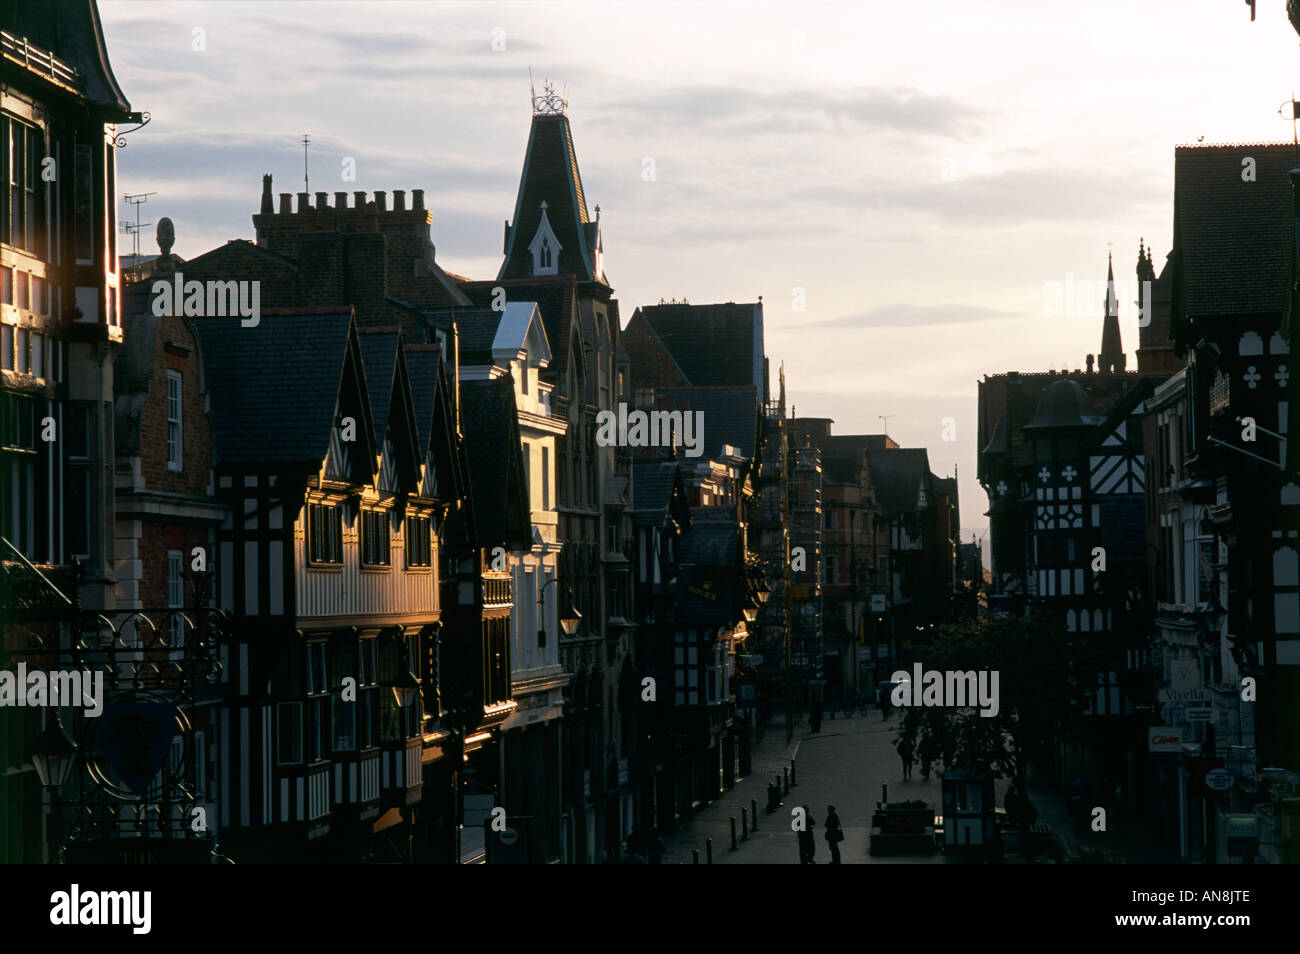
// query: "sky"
[[904, 184]]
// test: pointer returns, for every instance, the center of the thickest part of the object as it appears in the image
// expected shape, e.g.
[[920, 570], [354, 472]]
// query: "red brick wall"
[[175, 350]]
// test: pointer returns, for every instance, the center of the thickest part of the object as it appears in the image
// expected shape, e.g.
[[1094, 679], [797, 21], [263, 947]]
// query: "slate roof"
[[841, 454], [897, 474], [550, 175], [714, 345], [71, 30], [494, 456], [379, 353], [274, 386], [555, 298], [730, 415], [1232, 238], [652, 488], [477, 328], [422, 362]]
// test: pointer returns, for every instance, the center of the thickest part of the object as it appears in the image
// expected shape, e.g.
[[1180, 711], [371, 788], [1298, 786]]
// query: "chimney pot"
[[340, 200], [286, 203], [417, 200], [322, 201], [359, 200], [304, 202], [381, 201], [399, 200]]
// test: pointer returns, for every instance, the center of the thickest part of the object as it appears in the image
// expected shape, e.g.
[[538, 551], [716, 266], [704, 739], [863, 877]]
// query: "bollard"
[[786, 773], [744, 823], [695, 854], [794, 782], [733, 832], [708, 851], [753, 811]]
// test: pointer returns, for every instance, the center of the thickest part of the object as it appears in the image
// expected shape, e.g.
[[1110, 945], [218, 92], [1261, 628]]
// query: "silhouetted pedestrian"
[[905, 750], [834, 834], [807, 839], [927, 751]]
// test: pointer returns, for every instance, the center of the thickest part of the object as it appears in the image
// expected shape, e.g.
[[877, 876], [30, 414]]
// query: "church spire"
[[1111, 360]]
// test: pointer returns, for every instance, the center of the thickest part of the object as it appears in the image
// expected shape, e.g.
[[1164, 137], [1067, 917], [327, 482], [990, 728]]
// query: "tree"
[[1045, 675]]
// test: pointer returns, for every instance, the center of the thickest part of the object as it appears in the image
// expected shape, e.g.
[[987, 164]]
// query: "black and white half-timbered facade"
[[328, 560]]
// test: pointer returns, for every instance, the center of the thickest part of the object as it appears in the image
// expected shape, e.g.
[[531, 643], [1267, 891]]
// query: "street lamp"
[[406, 688], [570, 617], [53, 755]]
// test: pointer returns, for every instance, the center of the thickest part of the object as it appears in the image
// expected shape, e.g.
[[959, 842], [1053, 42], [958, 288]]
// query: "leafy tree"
[[1045, 675]]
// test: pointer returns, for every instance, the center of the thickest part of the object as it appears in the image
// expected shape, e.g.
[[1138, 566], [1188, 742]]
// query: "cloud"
[[1012, 197], [901, 109], [895, 316]]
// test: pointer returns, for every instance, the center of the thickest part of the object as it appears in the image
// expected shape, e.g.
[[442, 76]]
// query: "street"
[[843, 765]]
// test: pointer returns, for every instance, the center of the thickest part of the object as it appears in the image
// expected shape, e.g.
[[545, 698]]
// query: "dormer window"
[[545, 248]]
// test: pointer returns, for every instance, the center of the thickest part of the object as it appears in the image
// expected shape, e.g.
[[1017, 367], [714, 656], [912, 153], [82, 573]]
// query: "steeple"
[[551, 207], [1111, 360]]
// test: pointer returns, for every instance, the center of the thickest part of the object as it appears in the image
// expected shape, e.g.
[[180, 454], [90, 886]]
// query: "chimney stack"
[[268, 204], [399, 200], [340, 200], [381, 201], [286, 203], [322, 201], [359, 200], [304, 202], [417, 200]]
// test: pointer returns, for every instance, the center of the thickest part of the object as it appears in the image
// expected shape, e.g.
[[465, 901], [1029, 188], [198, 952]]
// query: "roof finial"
[[550, 103]]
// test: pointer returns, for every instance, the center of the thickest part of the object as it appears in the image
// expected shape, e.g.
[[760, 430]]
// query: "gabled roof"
[[274, 386], [391, 406], [494, 455], [1232, 237], [71, 30], [521, 329], [434, 415], [898, 474], [714, 345], [476, 328], [556, 297], [550, 175], [658, 492]]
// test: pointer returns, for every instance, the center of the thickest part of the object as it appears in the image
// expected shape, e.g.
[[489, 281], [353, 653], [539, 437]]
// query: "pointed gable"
[[435, 422], [278, 389], [391, 408], [550, 199]]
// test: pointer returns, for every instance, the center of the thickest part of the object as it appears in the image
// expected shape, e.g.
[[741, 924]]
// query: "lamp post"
[[53, 757], [570, 617]]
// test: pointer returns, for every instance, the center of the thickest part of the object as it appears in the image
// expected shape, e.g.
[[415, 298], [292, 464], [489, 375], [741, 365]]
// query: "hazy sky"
[[915, 172]]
